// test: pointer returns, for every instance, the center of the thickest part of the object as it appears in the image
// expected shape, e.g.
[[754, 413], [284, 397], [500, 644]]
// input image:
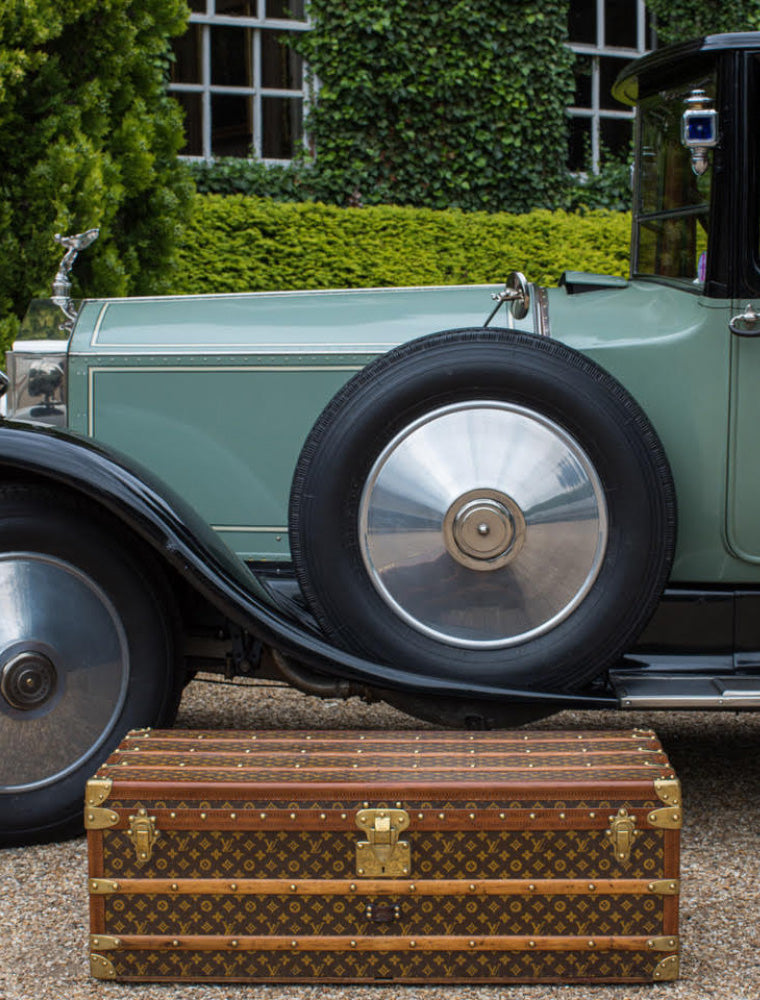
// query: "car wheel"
[[86, 653], [484, 506]]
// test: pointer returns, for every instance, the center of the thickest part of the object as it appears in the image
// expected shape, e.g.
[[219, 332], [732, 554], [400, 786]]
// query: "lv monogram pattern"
[[424, 967]]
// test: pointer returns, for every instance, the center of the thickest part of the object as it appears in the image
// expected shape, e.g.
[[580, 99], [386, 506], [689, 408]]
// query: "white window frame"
[[260, 23], [596, 113]]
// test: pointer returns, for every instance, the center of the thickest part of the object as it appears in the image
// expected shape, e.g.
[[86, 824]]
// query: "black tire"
[[378, 426], [87, 652]]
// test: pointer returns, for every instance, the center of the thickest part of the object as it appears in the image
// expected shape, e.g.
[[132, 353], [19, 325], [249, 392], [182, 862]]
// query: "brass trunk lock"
[[621, 834], [382, 853], [143, 834]]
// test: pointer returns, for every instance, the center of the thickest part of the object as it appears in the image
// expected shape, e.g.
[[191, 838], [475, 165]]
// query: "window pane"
[[581, 22], [615, 135], [620, 23], [579, 145], [280, 66], [609, 67], [197, 6], [231, 57], [237, 8], [187, 54], [582, 71], [282, 126], [192, 106], [231, 125], [293, 9]]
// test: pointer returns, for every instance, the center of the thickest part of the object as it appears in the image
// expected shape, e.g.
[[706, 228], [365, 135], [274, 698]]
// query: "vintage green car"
[[461, 500]]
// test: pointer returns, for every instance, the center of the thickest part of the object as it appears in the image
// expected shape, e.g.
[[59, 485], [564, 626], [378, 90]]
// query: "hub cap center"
[[484, 529], [28, 680]]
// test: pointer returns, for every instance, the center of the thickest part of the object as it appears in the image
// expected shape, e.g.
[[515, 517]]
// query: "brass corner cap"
[[98, 790], [101, 967], [668, 790], [667, 970]]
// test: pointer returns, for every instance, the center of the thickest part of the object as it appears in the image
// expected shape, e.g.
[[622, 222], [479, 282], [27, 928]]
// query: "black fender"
[[185, 542]]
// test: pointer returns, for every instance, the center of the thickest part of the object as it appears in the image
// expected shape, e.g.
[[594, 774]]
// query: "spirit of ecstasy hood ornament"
[[62, 281]]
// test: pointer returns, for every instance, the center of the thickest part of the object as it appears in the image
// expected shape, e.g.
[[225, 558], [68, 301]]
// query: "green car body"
[[252, 484]]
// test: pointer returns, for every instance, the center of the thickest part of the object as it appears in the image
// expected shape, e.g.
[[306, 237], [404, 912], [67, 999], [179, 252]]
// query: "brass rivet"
[[297, 766], [592, 815], [116, 886], [420, 816], [650, 944], [181, 763], [591, 887], [412, 887], [233, 886], [502, 816], [441, 816], [473, 887], [234, 943], [412, 944], [531, 944], [352, 887], [172, 815], [292, 815], [562, 816], [651, 887], [398, 805], [472, 944], [233, 815], [591, 944], [405, 871], [532, 816], [175, 887], [263, 816], [175, 943], [531, 887], [353, 944], [293, 888], [293, 944], [203, 815], [359, 871], [365, 805], [117, 942], [323, 815], [472, 815], [342, 815]]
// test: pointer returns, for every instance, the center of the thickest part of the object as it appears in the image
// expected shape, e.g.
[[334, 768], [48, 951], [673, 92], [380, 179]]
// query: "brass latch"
[[621, 833], [143, 834], [382, 853]]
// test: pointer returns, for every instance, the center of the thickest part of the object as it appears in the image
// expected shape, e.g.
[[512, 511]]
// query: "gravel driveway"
[[43, 898]]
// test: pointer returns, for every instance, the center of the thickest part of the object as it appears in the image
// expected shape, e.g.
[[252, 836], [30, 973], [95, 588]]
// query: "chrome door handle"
[[746, 324]]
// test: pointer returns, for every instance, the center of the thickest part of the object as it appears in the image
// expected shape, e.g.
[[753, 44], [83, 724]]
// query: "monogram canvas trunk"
[[406, 857]]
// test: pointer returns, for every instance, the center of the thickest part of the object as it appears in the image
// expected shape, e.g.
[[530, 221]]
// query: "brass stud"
[[472, 944], [398, 805], [233, 815], [420, 816], [292, 815], [412, 887], [472, 887], [175, 887], [353, 944], [293, 888], [323, 815], [472, 815], [352, 887], [238, 765], [365, 805], [531, 944], [591, 887], [172, 815], [502, 816], [203, 815], [359, 871], [591, 944], [263, 816], [247, 749], [181, 763], [342, 815], [441, 816], [297, 766], [175, 943], [293, 944], [404, 871], [233, 886], [412, 944], [234, 943], [592, 815], [562, 816], [532, 816], [531, 887]]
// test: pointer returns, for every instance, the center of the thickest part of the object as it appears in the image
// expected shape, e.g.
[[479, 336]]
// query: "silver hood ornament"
[[62, 281]]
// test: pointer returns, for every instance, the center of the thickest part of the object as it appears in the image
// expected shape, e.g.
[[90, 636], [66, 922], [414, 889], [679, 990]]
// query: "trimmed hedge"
[[237, 244]]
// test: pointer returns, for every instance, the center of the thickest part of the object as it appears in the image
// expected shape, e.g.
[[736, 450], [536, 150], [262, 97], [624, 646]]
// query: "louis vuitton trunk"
[[407, 857]]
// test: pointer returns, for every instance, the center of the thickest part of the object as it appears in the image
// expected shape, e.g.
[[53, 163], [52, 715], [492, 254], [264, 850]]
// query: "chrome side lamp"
[[699, 129]]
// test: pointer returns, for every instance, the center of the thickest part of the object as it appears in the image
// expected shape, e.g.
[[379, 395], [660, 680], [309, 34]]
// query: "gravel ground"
[[43, 898]]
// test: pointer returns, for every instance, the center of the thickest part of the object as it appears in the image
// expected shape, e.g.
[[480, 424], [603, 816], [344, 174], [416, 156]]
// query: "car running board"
[[645, 689]]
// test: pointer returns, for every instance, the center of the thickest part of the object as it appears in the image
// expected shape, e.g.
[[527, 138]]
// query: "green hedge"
[[237, 244]]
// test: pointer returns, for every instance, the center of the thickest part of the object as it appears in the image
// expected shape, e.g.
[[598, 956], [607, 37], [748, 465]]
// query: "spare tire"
[[485, 505]]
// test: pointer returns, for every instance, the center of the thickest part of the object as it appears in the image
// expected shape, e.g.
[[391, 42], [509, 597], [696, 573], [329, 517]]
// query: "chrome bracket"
[[746, 324], [517, 293]]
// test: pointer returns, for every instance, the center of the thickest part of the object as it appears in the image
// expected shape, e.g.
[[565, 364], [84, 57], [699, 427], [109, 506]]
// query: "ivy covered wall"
[[679, 20]]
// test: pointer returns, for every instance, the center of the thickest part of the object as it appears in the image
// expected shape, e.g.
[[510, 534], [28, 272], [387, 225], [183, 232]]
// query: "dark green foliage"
[[678, 20], [88, 137], [238, 244], [458, 104]]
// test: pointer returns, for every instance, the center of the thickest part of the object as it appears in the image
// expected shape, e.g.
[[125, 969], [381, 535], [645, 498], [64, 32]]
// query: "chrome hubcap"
[[27, 681], [64, 668], [483, 524]]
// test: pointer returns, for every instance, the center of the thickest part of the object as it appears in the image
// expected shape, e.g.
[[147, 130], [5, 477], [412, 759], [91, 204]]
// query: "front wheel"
[[487, 507], [86, 653]]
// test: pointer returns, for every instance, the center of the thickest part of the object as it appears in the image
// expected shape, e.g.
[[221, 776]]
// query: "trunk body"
[[411, 857]]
